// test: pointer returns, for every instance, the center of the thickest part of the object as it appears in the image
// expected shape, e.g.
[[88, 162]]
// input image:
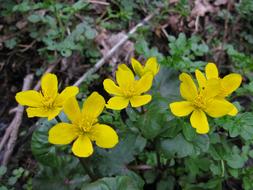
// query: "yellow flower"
[[84, 127], [228, 84], [200, 102], [128, 89], [47, 103], [151, 66]]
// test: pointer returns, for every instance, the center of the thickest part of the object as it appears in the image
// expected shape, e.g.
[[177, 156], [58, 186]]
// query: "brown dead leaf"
[[173, 1], [106, 41], [21, 24], [220, 2], [201, 7]]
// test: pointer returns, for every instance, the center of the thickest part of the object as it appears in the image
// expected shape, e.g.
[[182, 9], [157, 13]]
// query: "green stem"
[[222, 169], [86, 167]]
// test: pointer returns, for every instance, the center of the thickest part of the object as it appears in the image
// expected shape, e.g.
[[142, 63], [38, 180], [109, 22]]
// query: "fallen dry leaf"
[[201, 7], [220, 2]]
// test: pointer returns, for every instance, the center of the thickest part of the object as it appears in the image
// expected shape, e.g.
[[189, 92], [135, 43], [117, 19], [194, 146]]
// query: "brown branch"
[[15, 124], [140, 167], [101, 62]]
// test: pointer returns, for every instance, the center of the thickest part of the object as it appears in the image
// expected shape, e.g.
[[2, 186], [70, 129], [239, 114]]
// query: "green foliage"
[[8, 181], [156, 150], [113, 183], [184, 53]]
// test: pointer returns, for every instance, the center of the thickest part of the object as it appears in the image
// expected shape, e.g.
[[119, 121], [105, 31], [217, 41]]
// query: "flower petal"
[[111, 87], [234, 111], [42, 112], [93, 105], [182, 108], [137, 101], [117, 103], [82, 146], [72, 110], [67, 93], [49, 85], [124, 67], [218, 107], [29, 98], [137, 67], [188, 88], [212, 89], [200, 78], [62, 133], [152, 66], [230, 83], [104, 135], [124, 77], [199, 121], [211, 71], [144, 84]]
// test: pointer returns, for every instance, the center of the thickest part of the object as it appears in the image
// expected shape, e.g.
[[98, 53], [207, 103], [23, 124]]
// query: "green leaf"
[[235, 161], [3, 170], [113, 183], [152, 122], [115, 160], [176, 147], [179, 147], [34, 18], [166, 184], [43, 151]]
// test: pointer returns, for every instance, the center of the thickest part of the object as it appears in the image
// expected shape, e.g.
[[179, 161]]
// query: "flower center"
[[129, 91], [85, 124], [48, 102], [199, 101]]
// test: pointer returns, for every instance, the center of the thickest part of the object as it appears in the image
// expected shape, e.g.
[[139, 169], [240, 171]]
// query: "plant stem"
[[86, 167], [222, 169]]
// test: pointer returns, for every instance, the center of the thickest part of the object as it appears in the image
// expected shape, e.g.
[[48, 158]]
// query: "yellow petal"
[[104, 135], [72, 110], [93, 105], [144, 84], [124, 67], [111, 87], [200, 78], [43, 112], [137, 101], [188, 88], [53, 112], [230, 83], [234, 111], [37, 112], [211, 71], [124, 77], [117, 103], [49, 85], [137, 67], [82, 146], [199, 121], [62, 133], [212, 88], [182, 108], [67, 93], [218, 107], [29, 98], [152, 66]]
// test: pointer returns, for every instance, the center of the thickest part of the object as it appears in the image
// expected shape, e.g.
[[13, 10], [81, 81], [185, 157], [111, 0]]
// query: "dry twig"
[[16, 122], [101, 62]]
